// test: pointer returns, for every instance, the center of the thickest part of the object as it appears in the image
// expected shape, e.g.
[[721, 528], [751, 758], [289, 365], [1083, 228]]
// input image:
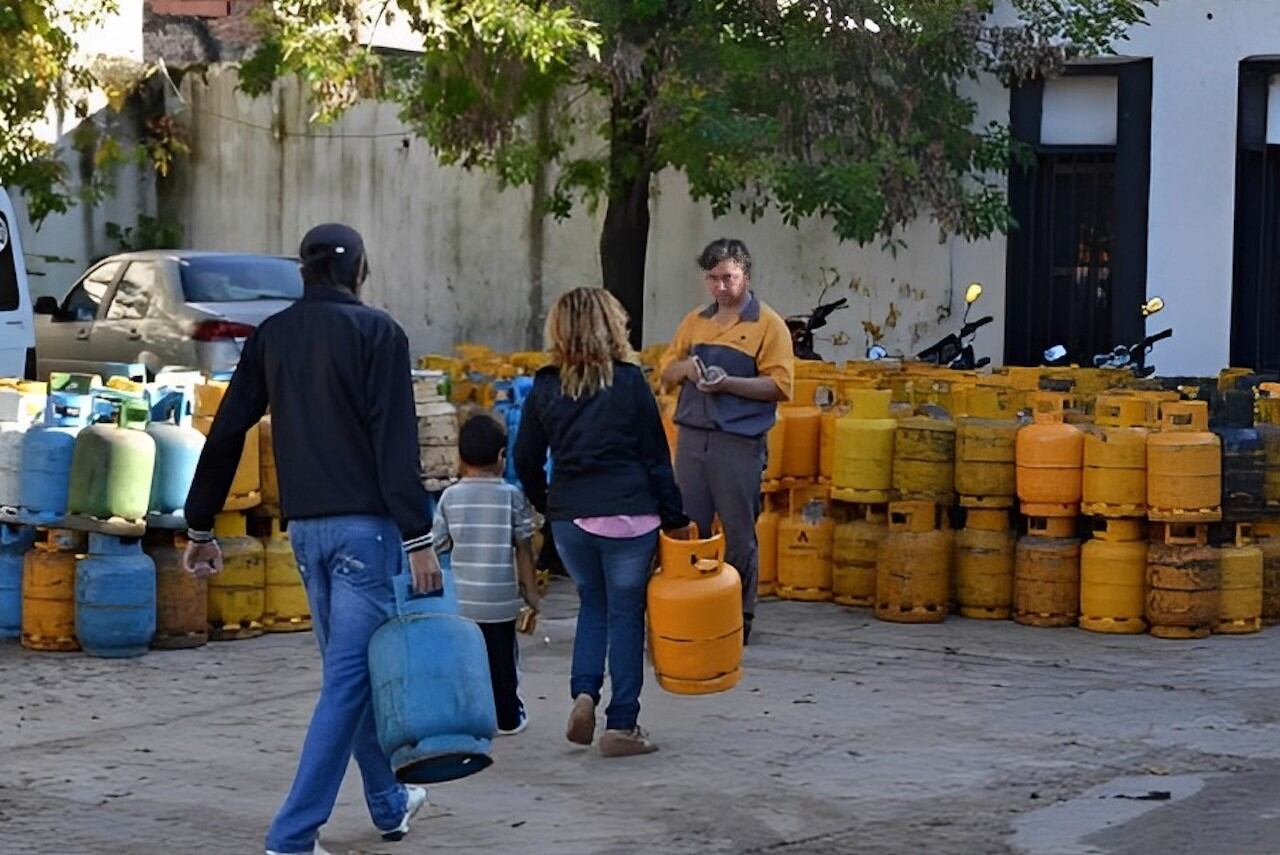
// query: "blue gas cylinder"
[[434, 713], [115, 598], [47, 451], [14, 543], [178, 447]]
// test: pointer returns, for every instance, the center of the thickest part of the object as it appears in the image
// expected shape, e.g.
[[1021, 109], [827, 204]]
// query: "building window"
[[1255, 293], [1077, 255]]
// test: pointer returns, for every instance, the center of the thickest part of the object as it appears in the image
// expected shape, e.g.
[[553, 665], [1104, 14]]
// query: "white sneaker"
[[315, 850], [417, 798], [519, 728]]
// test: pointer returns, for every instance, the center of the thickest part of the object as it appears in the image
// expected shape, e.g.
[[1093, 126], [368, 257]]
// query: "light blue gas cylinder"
[[15, 541], [48, 448], [434, 713], [115, 598], [178, 447]]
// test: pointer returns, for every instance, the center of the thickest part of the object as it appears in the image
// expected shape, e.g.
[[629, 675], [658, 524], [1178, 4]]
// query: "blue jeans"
[[612, 578], [347, 564]]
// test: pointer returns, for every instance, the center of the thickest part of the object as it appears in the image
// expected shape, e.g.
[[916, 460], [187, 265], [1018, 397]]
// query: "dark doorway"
[[1077, 258]]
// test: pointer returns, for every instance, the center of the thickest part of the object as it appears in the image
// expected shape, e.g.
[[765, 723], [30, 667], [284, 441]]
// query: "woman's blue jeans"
[[347, 564], [612, 578]]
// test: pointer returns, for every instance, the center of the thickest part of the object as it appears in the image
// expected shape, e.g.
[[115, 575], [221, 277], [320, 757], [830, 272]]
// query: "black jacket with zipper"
[[337, 377], [609, 454]]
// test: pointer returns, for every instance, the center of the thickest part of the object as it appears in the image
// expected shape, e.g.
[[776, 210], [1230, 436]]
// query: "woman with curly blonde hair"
[[612, 490]]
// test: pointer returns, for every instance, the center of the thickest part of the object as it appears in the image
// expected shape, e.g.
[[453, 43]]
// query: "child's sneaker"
[[626, 743], [520, 727]]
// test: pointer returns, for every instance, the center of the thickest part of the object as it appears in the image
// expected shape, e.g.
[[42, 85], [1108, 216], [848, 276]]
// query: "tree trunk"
[[624, 241]]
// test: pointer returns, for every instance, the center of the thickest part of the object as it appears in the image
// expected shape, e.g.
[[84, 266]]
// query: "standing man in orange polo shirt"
[[724, 413]]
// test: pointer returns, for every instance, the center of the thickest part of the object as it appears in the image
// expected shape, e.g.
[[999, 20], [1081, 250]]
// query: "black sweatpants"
[[500, 641]]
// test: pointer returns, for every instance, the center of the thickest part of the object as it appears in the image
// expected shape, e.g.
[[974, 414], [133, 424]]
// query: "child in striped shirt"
[[486, 525]]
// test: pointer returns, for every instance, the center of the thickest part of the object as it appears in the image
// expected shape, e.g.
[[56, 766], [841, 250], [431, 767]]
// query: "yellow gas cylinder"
[[859, 531], [767, 547], [984, 565], [924, 460], [913, 565], [1266, 534], [667, 409], [863, 468], [803, 441], [267, 465], [1113, 577], [775, 446], [236, 595], [1184, 466], [49, 592], [827, 445], [804, 547], [1046, 573], [985, 471], [284, 606], [695, 617], [1184, 582], [246, 487], [1240, 609], [1115, 458], [1050, 457]]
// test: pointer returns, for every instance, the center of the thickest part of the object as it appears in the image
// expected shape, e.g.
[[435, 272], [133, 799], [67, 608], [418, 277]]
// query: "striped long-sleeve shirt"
[[479, 521]]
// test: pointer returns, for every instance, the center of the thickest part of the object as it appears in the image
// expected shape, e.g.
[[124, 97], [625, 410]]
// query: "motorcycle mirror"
[[876, 352], [972, 293], [1152, 306], [1055, 353]]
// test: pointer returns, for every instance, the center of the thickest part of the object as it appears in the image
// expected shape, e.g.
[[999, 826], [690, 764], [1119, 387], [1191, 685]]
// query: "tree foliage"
[[854, 110]]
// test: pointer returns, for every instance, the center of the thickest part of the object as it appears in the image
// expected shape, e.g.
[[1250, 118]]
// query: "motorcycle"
[[956, 349], [803, 326], [1130, 356]]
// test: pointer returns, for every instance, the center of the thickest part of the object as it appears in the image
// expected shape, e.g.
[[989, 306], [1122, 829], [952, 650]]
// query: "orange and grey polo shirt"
[[757, 344]]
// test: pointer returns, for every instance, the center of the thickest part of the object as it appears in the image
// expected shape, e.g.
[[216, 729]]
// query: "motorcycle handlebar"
[[974, 326]]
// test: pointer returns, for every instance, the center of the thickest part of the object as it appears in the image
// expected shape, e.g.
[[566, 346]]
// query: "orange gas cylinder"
[[1266, 534], [1115, 457], [984, 565], [695, 618], [1046, 573], [1240, 609], [48, 592], [924, 460], [667, 408], [1184, 466], [804, 547], [913, 565], [803, 443], [1050, 456], [863, 467], [1113, 577], [246, 487], [284, 604], [182, 607], [775, 446], [767, 547], [1184, 583], [859, 531]]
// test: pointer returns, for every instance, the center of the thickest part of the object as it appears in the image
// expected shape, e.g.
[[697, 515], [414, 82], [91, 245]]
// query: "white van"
[[17, 330]]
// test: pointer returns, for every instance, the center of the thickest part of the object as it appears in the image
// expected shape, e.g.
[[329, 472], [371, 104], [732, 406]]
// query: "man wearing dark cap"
[[336, 376]]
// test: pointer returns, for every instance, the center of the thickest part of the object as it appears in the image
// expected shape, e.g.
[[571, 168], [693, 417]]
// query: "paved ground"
[[847, 735]]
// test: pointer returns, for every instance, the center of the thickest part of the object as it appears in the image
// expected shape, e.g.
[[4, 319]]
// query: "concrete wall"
[[454, 256]]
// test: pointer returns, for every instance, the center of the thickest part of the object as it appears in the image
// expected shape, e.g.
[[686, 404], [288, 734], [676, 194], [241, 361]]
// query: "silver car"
[[172, 309]]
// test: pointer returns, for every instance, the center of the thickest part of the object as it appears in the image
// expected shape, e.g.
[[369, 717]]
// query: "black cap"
[[333, 249]]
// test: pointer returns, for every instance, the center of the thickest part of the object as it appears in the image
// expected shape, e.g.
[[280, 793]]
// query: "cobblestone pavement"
[[846, 735]]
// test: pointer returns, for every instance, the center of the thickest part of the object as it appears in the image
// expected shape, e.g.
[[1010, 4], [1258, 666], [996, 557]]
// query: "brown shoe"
[[626, 743], [582, 721]]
